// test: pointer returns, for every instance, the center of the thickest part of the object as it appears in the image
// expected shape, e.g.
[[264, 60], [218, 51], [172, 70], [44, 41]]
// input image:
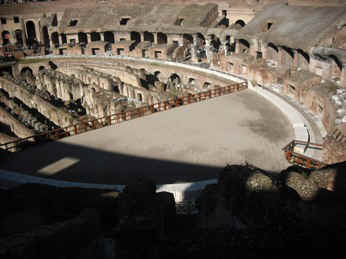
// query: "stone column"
[[194, 48], [155, 37], [102, 36], [237, 47], [115, 35], [142, 36], [88, 37], [208, 51]]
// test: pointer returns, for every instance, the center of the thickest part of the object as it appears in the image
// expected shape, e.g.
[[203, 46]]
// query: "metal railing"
[[302, 160], [84, 126]]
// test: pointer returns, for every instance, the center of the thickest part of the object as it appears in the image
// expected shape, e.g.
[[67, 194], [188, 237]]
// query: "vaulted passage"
[[46, 37], [109, 36], [31, 32]]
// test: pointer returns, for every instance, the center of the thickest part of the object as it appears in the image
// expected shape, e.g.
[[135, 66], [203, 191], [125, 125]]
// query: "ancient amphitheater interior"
[[199, 108]]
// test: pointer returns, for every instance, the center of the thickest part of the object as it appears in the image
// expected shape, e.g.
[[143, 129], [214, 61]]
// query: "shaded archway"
[[303, 59], [5, 37], [337, 61], [174, 80], [109, 36], [148, 36], [135, 36], [52, 65], [19, 37], [95, 36], [26, 73], [272, 51], [224, 22], [215, 42], [63, 38], [200, 39], [82, 37], [188, 39], [243, 46], [161, 38], [30, 32], [108, 46], [55, 39], [304, 55], [287, 56], [239, 24], [46, 40], [140, 97]]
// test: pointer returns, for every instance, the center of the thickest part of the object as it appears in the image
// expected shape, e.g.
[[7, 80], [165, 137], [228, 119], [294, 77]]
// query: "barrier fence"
[[84, 126], [299, 159]]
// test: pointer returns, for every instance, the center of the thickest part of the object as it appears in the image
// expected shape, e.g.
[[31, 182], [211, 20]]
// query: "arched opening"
[[272, 52], [303, 59], [191, 82], [304, 55], [148, 36], [55, 20], [31, 32], [239, 24], [174, 81], [288, 50], [52, 65], [161, 38], [109, 36], [55, 39], [206, 85], [19, 37], [337, 61], [140, 97], [5, 37], [287, 56], [224, 22], [187, 39], [108, 47], [46, 40], [200, 47], [215, 42], [200, 40], [136, 36], [63, 38], [244, 46], [95, 36], [26, 73], [82, 38], [157, 75]]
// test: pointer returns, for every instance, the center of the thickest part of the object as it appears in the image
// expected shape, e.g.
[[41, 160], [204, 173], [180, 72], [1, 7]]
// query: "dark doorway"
[[46, 40]]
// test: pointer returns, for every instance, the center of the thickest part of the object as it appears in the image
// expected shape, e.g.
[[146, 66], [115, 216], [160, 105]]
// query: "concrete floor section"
[[185, 144]]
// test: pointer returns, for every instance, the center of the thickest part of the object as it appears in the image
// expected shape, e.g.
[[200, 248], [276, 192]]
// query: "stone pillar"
[[237, 47], [102, 36], [142, 36], [208, 51], [280, 53], [194, 49], [295, 60], [115, 35], [155, 37], [88, 37]]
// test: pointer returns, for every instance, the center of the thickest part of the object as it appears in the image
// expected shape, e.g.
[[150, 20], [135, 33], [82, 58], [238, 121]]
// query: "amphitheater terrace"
[[260, 81]]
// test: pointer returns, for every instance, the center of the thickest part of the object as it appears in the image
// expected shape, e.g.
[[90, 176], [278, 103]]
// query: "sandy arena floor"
[[188, 143]]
